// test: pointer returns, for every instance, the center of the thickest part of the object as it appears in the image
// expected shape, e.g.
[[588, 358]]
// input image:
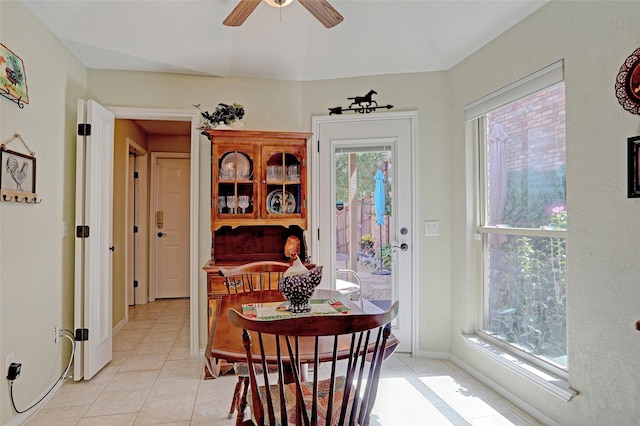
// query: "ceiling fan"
[[321, 9]]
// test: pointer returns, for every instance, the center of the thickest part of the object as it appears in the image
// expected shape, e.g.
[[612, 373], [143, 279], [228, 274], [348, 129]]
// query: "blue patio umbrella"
[[379, 201]]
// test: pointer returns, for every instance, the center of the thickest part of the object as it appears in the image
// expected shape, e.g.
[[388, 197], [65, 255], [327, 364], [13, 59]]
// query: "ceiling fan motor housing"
[[278, 3], [321, 9]]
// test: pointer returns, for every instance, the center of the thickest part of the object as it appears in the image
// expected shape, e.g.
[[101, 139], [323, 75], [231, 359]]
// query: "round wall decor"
[[628, 83]]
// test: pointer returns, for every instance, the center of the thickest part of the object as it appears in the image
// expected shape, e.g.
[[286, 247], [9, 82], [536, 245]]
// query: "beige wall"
[[593, 38], [169, 143], [36, 261], [426, 93], [270, 105], [36, 264]]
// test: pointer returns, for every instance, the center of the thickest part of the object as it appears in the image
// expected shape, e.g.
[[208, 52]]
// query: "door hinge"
[[318, 234], [84, 129], [318, 145], [135, 175], [82, 231], [209, 312], [82, 334], [135, 284], [135, 229]]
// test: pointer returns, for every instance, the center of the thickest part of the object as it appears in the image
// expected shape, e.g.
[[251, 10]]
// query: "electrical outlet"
[[7, 361], [56, 333]]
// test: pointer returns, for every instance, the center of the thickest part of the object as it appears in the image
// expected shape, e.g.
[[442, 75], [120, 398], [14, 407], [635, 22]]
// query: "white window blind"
[[361, 149], [539, 80]]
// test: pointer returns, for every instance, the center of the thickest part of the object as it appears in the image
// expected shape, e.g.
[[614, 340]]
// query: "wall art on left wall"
[[633, 167], [18, 177], [13, 81]]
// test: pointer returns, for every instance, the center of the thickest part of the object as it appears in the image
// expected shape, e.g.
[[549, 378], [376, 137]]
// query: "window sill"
[[554, 385]]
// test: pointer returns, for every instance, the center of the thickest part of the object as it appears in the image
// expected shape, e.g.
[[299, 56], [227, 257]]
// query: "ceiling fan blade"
[[323, 11], [241, 12]]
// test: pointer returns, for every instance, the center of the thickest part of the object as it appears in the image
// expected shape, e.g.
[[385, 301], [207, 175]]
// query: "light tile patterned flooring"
[[153, 380]]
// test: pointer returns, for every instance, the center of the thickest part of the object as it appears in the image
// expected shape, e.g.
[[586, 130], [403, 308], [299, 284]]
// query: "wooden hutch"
[[258, 199]]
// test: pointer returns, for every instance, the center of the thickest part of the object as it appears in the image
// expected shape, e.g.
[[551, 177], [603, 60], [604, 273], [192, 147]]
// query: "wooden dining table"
[[225, 339]]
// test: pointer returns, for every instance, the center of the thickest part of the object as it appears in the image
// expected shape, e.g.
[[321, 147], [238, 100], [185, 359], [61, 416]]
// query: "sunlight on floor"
[[443, 399], [152, 379]]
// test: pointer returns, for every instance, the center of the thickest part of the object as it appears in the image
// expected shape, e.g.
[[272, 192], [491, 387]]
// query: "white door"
[[171, 223], [93, 259], [362, 145]]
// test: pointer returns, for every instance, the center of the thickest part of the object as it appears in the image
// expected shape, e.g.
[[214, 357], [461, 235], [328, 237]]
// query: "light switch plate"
[[431, 228]]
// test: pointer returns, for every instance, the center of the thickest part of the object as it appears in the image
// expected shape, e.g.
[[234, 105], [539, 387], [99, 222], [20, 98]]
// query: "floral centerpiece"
[[224, 114]]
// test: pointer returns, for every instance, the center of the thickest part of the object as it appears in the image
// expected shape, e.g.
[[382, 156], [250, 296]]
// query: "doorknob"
[[403, 246], [161, 234]]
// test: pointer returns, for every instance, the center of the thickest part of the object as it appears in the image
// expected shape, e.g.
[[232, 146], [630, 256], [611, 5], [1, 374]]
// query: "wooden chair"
[[254, 276], [343, 388]]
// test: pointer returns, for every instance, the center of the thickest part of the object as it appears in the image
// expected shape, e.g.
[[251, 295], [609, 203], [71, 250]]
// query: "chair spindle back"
[[254, 276], [346, 352]]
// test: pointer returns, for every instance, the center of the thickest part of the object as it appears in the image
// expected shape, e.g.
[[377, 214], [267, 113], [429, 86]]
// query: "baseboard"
[[520, 403], [119, 326], [431, 355], [22, 418]]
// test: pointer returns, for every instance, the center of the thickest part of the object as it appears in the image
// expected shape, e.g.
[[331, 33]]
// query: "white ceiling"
[[187, 36]]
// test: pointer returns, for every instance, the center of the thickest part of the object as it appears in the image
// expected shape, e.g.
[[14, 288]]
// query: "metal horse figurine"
[[360, 100], [361, 104]]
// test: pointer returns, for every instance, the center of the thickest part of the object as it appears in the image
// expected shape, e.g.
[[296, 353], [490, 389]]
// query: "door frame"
[[152, 209], [313, 173], [131, 113], [141, 252]]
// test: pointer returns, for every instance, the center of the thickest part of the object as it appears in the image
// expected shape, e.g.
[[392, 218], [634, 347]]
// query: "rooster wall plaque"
[[17, 175]]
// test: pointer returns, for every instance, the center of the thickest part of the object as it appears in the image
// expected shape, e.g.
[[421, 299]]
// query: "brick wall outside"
[[535, 125]]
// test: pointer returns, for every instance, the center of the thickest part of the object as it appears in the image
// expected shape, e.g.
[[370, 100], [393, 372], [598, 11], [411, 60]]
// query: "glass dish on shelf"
[[235, 164], [277, 203], [292, 173], [231, 203], [243, 203], [225, 174], [274, 173]]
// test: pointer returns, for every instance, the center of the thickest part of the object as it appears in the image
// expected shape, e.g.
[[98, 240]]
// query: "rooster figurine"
[[18, 174]]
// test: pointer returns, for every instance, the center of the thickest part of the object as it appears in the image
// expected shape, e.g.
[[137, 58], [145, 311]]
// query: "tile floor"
[[153, 380]]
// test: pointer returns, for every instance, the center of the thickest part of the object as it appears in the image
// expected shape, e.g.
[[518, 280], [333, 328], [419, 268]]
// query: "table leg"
[[288, 375], [242, 402], [236, 396]]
